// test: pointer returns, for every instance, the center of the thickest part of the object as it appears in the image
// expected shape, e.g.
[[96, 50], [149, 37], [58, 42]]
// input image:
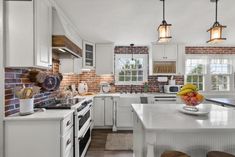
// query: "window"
[[195, 71], [130, 70], [209, 73], [220, 70]]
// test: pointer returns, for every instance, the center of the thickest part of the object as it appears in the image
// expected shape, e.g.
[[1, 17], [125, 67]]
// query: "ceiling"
[[135, 21]]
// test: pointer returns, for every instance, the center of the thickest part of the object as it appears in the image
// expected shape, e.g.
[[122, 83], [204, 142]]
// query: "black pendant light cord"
[[164, 10], [216, 11]]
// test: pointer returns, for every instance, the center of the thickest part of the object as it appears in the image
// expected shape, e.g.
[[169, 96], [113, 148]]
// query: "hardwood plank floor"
[[97, 146]]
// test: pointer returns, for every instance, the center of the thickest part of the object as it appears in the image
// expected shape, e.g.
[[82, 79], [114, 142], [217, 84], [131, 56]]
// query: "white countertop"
[[39, 115], [167, 117]]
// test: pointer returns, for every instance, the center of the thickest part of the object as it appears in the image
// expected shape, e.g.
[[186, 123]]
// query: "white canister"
[[26, 106], [171, 82]]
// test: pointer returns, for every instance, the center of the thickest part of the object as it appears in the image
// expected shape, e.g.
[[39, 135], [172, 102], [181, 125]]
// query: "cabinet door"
[[171, 52], [104, 58], [99, 111], [88, 55], [158, 52], [108, 111], [124, 111], [19, 33], [77, 65], [66, 65], [43, 35]]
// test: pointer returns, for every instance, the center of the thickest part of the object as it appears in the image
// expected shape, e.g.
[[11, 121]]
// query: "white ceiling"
[[135, 21]]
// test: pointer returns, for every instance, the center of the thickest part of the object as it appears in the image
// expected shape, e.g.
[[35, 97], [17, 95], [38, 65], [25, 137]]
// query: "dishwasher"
[[165, 99]]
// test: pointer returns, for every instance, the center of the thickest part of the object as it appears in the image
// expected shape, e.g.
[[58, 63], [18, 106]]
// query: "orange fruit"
[[199, 97]]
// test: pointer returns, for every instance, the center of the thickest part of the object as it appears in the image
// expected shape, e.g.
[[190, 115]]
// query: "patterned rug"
[[119, 141]]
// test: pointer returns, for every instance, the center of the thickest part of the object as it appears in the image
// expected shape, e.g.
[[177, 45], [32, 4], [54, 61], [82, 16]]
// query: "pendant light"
[[217, 29], [132, 62], [164, 34]]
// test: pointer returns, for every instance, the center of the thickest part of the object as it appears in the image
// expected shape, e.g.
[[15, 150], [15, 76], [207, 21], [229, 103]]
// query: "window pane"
[[195, 66], [127, 78], [121, 78], [220, 66], [219, 83]]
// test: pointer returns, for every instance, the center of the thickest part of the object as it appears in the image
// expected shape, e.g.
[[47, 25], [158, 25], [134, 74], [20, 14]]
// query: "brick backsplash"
[[209, 50], [18, 77], [130, 50]]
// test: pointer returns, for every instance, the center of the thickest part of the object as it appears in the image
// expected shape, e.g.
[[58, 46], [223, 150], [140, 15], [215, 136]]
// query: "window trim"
[[145, 69], [207, 75]]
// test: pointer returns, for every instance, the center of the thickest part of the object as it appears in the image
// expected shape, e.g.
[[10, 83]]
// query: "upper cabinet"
[[88, 55], [164, 52], [28, 33], [71, 65], [104, 59], [166, 59]]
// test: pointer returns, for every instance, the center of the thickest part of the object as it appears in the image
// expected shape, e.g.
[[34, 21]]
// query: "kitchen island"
[[158, 128]]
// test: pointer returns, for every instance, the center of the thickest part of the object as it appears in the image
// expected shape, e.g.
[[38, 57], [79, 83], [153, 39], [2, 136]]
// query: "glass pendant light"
[[164, 34], [217, 29]]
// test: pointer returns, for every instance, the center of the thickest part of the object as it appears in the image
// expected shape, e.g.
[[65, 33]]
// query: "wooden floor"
[[97, 146]]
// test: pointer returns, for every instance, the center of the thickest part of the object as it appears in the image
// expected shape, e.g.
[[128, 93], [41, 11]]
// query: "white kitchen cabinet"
[[181, 60], [104, 59], [103, 111], [28, 33], [88, 55], [108, 121], [164, 52], [71, 65], [98, 111], [124, 111], [40, 135]]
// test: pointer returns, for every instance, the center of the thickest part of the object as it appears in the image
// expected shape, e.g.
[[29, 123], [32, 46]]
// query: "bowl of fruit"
[[190, 97]]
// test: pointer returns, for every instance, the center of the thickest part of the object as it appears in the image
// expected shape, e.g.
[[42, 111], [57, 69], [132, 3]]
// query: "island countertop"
[[223, 101], [168, 117]]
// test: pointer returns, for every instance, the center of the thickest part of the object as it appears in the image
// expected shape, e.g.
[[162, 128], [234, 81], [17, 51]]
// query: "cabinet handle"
[[68, 142], [68, 123]]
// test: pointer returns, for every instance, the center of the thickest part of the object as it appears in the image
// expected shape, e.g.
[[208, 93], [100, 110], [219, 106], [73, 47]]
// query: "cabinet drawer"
[[67, 142], [66, 124]]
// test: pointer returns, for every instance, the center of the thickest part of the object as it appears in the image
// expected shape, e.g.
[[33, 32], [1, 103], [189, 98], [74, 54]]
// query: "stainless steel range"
[[82, 120]]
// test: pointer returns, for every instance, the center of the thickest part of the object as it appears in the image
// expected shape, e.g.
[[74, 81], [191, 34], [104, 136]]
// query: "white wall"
[[1, 79]]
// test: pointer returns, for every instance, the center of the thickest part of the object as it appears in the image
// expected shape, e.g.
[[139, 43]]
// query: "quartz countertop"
[[167, 117], [223, 101], [42, 115]]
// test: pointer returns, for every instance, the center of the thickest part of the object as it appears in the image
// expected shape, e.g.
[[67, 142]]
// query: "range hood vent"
[[64, 40], [61, 44]]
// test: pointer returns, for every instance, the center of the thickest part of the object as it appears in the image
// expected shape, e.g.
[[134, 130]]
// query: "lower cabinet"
[[124, 111], [103, 111], [51, 137]]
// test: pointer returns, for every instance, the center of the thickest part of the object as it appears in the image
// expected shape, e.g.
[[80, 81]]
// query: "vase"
[[26, 106]]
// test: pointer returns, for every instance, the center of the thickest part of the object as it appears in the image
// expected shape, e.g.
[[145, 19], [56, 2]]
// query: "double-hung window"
[[195, 72], [209, 73], [131, 69], [220, 70]]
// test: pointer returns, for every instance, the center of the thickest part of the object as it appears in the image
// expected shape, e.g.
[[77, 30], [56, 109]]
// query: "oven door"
[[82, 143], [83, 120]]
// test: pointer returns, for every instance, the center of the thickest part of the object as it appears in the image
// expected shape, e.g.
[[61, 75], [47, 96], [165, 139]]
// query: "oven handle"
[[82, 137], [80, 116]]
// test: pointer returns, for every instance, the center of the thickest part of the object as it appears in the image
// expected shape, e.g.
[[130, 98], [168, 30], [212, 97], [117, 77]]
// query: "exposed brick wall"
[[93, 80], [130, 50], [18, 77], [210, 50], [69, 79]]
